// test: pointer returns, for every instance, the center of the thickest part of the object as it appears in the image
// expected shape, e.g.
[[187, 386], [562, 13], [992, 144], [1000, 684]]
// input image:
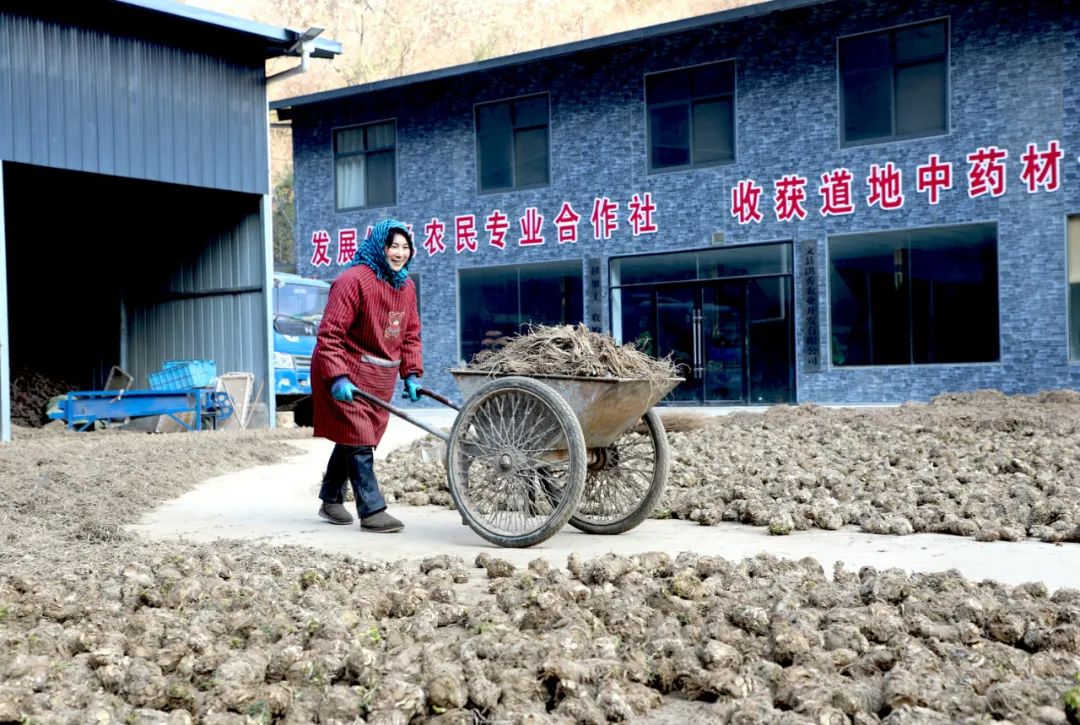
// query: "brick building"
[[839, 202]]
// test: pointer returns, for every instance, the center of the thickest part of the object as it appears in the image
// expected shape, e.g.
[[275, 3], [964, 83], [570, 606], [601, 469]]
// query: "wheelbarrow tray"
[[605, 407]]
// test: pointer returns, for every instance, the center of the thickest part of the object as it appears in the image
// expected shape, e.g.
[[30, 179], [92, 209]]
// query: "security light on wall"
[[306, 37], [303, 46]]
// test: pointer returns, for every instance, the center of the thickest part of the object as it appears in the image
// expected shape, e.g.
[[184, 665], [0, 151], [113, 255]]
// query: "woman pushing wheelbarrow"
[[369, 335], [533, 448]]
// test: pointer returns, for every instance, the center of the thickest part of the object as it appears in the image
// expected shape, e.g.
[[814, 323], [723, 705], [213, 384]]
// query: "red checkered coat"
[[370, 332]]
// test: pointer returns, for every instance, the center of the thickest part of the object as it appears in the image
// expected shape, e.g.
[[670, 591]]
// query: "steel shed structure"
[[134, 188]]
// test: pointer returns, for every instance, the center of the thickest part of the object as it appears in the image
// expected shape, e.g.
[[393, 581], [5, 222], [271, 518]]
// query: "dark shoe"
[[335, 513], [381, 523]]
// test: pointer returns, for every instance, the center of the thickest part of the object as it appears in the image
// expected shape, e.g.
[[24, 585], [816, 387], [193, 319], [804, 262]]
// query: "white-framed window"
[[364, 166]]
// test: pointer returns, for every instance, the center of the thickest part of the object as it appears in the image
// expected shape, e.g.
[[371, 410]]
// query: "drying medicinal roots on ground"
[[231, 634], [984, 465], [97, 626], [571, 350]]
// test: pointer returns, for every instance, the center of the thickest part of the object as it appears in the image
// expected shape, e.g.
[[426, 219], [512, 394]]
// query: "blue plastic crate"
[[181, 374]]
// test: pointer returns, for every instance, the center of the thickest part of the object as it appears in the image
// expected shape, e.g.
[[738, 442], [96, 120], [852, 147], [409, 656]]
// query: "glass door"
[[722, 331], [702, 326], [724, 315], [770, 341], [678, 332]]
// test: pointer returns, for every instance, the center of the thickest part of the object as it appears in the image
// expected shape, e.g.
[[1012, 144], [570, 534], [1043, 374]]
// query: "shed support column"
[[268, 298], [5, 347]]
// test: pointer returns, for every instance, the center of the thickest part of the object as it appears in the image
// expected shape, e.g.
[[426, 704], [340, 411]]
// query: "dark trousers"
[[357, 465]]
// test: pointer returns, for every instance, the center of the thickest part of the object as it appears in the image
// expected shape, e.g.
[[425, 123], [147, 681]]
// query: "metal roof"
[[506, 61], [173, 23], [282, 40]]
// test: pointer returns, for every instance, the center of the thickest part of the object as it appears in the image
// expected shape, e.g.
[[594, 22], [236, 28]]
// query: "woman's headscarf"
[[372, 252]]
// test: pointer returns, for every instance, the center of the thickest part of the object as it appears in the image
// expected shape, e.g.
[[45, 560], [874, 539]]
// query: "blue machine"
[[80, 409]]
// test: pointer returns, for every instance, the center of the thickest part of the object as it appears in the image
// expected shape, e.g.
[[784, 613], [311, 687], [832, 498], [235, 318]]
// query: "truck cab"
[[298, 309]]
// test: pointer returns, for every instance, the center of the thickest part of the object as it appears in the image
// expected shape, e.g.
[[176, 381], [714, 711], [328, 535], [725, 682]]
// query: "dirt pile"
[[983, 465], [571, 350]]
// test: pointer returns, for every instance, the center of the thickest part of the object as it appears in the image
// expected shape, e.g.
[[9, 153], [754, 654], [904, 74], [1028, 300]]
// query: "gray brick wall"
[[1014, 79]]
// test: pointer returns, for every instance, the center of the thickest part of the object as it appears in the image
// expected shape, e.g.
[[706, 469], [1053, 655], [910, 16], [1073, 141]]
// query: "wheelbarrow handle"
[[401, 414], [440, 398]]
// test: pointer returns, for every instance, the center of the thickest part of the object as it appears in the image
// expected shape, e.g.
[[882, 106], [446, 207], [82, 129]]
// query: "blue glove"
[[343, 389], [412, 388]]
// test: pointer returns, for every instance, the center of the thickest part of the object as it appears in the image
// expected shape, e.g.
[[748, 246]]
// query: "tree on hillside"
[[283, 203]]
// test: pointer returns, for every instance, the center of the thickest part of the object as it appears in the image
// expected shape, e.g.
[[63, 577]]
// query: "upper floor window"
[[364, 166], [894, 83], [512, 143], [691, 116]]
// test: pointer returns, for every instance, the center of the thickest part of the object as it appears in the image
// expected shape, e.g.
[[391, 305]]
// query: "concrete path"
[[276, 504]]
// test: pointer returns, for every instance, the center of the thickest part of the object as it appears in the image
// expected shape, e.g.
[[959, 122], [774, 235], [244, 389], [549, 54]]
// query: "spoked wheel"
[[624, 480], [516, 462]]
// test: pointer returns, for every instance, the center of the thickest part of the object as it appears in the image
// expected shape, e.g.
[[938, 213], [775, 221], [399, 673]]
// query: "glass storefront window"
[[743, 261], [914, 297], [498, 302], [654, 268], [1074, 288]]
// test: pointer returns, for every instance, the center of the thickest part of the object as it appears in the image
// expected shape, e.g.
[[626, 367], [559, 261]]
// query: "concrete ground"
[[277, 504]]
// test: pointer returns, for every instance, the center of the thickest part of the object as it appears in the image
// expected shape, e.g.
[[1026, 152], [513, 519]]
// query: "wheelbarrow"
[[527, 454]]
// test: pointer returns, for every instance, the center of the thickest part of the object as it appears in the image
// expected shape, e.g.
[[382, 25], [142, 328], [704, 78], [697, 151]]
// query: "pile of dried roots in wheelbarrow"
[[571, 350]]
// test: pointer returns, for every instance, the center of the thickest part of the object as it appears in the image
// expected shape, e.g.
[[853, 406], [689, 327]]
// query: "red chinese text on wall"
[[984, 172]]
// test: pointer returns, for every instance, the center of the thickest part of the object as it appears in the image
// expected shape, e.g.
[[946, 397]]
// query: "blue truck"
[[298, 308]]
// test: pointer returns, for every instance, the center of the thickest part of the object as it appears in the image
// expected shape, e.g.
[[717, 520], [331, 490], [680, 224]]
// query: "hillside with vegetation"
[[389, 38]]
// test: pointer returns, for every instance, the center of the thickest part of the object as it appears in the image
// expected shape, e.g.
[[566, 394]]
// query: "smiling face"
[[397, 251]]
